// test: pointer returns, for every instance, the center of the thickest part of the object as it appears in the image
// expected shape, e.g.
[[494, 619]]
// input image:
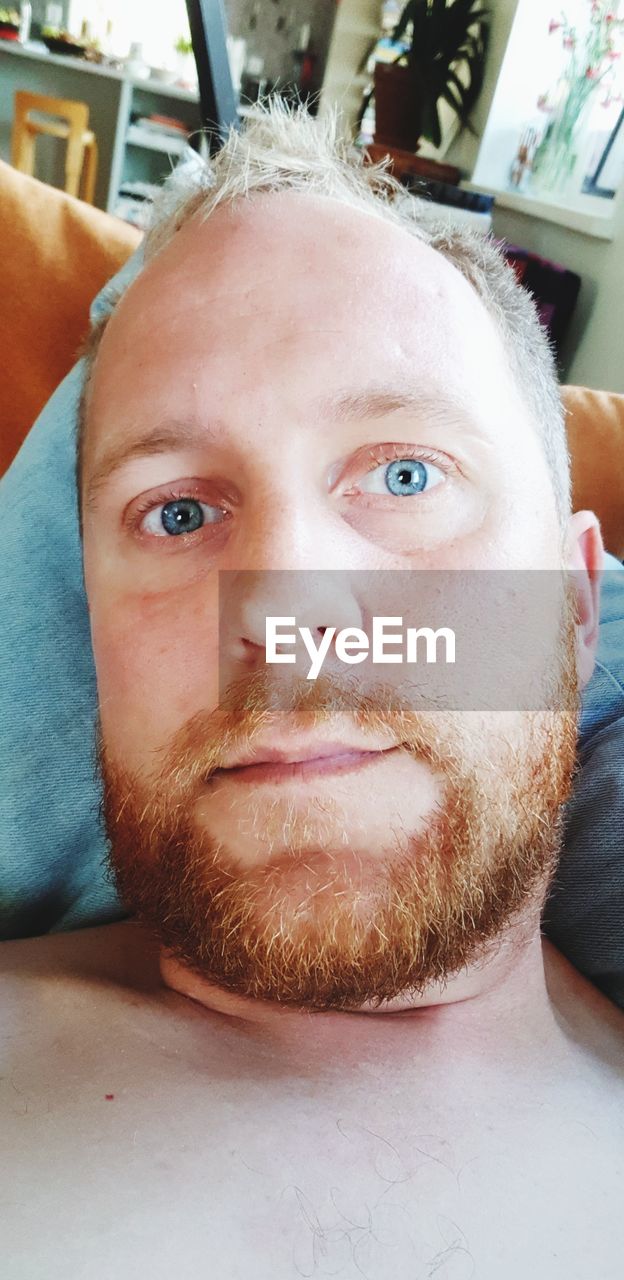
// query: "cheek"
[[157, 665]]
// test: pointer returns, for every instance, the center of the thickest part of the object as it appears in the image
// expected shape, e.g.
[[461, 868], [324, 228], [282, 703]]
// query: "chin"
[[338, 825]]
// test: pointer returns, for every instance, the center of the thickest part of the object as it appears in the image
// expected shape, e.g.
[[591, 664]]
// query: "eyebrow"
[[378, 402], [375, 402], [167, 437]]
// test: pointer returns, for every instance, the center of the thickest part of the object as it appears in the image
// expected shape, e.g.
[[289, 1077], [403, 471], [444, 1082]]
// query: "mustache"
[[257, 702]]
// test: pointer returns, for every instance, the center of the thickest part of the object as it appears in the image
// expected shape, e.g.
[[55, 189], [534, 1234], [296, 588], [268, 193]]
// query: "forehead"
[[276, 294]]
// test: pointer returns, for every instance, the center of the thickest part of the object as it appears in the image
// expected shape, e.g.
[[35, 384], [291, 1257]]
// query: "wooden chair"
[[66, 120]]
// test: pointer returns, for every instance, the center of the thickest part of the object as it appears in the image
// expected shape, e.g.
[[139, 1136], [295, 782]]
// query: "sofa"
[[57, 252]]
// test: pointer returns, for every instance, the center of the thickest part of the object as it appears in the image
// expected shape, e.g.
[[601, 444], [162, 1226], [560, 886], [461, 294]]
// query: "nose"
[[285, 567], [312, 598]]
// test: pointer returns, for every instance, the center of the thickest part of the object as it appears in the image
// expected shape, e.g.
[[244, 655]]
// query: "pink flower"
[[569, 42], [591, 73], [553, 26], [542, 102], [613, 55]]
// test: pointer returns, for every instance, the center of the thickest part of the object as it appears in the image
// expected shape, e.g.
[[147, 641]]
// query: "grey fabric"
[[584, 915], [52, 845]]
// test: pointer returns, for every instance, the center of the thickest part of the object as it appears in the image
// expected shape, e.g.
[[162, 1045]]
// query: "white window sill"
[[590, 215]]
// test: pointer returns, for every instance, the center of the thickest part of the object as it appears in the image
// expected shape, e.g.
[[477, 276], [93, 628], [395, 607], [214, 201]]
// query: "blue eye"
[[402, 478], [180, 515], [406, 476]]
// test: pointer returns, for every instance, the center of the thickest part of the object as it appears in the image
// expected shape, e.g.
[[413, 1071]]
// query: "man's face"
[[263, 374]]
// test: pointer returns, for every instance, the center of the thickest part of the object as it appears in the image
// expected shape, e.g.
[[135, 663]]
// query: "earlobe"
[[585, 560]]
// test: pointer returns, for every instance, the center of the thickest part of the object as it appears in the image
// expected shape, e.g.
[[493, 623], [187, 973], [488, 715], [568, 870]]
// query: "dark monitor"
[[217, 97]]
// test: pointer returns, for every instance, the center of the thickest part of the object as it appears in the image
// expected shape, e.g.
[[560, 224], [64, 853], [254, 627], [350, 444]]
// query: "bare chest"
[[135, 1152]]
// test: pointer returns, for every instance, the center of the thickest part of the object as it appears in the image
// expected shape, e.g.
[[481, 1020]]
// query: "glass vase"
[[556, 158]]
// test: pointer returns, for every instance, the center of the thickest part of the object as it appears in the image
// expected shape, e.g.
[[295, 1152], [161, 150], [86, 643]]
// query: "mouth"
[[274, 766]]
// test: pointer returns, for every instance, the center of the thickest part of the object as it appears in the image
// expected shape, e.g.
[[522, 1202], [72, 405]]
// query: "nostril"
[[320, 631]]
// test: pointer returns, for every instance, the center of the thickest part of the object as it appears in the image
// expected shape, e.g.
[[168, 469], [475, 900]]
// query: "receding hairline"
[[246, 205], [242, 211], [282, 151]]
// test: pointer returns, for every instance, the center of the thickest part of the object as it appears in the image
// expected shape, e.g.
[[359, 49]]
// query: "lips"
[[275, 764]]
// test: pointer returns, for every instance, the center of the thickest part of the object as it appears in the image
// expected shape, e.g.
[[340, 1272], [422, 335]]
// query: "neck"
[[503, 1000]]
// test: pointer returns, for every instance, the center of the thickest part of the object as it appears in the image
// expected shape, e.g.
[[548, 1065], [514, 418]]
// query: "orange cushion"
[[595, 424], [56, 253]]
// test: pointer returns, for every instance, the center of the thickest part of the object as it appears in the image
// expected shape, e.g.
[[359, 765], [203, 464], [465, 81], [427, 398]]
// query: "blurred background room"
[[507, 115]]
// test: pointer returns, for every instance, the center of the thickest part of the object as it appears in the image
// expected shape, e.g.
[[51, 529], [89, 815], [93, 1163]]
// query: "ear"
[[585, 556]]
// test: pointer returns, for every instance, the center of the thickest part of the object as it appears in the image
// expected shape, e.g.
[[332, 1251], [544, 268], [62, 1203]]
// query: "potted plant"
[[443, 60]]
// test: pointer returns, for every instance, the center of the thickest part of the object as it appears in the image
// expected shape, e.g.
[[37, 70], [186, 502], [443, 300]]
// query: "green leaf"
[[451, 96], [461, 23], [466, 11], [421, 38], [453, 81], [408, 15], [437, 22], [431, 126]]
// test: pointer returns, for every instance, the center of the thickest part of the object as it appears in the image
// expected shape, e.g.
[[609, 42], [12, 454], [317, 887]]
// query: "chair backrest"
[[75, 114]]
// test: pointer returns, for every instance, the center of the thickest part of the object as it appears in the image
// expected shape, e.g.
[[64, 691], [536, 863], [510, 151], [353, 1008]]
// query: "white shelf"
[[163, 142], [586, 214], [39, 53]]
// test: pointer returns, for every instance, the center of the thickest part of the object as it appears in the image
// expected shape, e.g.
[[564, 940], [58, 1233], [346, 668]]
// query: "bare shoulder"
[[591, 1022], [41, 977], [117, 952]]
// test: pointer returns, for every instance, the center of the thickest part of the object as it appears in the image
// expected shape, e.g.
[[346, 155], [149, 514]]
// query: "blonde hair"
[[283, 148]]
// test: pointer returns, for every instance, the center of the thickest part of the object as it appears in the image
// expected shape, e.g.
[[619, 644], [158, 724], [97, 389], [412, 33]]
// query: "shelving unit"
[[127, 152], [164, 143]]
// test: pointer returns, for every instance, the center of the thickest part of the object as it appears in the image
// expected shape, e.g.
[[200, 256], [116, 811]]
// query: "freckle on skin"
[[109, 1097]]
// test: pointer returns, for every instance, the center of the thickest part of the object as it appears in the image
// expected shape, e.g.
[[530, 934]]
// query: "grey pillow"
[[584, 915], [52, 846]]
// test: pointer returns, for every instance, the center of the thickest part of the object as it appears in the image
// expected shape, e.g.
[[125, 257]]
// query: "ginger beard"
[[411, 914]]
